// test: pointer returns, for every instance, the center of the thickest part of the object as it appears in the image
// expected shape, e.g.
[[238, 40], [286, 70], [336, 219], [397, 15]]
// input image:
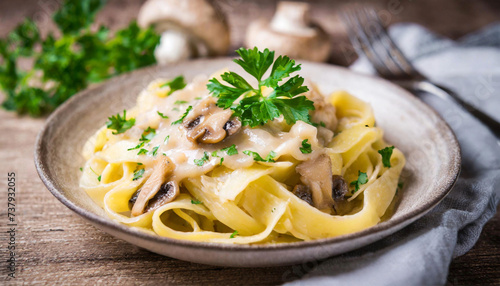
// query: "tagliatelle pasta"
[[278, 182]]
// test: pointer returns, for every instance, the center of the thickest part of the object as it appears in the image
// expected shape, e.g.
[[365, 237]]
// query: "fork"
[[369, 37]]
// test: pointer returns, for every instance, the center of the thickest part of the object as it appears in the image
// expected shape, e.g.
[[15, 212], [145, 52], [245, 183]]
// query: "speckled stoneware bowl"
[[431, 149]]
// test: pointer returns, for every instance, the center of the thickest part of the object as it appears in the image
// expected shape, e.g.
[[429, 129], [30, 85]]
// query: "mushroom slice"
[[208, 123], [166, 194], [323, 110], [163, 168], [304, 193], [317, 175], [339, 187]]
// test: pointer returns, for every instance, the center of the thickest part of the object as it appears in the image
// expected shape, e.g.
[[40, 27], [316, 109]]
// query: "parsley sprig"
[[306, 147], [67, 61], [386, 156], [362, 179], [120, 124], [256, 156], [176, 84], [254, 108]]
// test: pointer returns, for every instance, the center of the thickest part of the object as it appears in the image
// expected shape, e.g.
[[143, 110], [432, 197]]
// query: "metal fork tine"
[[372, 30], [393, 52], [360, 41]]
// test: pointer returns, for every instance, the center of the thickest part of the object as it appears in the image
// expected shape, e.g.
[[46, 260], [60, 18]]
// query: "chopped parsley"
[[162, 115], [231, 150], [120, 124], [138, 174], [165, 141], [221, 160], [322, 124], [362, 179], [386, 156], [254, 108], [306, 147], [183, 116], [215, 153], [154, 151], [98, 176], [175, 84], [148, 134], [256, 156], [196, 202], [200, 162], [198, 98], [234, 234], [81, 169], [175, 109], [142, 152], [180, 102], [140, 145]]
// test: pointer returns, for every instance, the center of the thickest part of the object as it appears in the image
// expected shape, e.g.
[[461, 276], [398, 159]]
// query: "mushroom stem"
[[292, 18], [174, 46]]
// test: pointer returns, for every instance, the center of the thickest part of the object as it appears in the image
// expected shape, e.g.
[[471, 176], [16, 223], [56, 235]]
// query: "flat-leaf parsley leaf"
[[254, 108], [386, 156], [119, 123], [306, 147], [362, 179]]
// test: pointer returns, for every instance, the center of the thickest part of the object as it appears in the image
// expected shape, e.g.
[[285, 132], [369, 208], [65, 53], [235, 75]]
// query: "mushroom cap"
[[314, 48], [291, 33], [198, 18]]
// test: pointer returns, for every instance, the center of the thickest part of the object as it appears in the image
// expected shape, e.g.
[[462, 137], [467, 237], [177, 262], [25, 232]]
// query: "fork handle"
[[446, 93]]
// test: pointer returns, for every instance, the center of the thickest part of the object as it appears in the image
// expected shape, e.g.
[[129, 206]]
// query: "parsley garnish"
[[221, 160], [306, 147], [119, 123], [138, 146], [183, 116], [70, 59], [198, 98], [180, 102], [386, 156], [138, 174], [234, 234], [362, 179], [154, 151], [254, 108], [81, 169], [148, 134], [99, 176], [231, 150], [200, 162], [165, 141], [175, 84], [196, 202], [142, 152], [162, 115], [258, 158]]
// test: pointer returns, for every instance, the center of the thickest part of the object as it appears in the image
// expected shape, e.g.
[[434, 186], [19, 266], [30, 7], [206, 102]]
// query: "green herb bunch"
[[65, 65], [253, 108]]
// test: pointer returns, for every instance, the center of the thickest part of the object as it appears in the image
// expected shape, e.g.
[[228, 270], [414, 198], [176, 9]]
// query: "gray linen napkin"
[[421, 253]]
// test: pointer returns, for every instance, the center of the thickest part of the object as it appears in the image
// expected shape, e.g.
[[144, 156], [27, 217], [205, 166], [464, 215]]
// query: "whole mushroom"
[[189, 28], [291, 33]]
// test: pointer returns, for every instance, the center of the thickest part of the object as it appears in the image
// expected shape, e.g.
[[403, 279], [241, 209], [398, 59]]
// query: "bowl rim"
[[444, 188]]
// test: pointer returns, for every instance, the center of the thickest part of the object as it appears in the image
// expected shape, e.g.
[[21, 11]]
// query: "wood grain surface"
[[55, 246]]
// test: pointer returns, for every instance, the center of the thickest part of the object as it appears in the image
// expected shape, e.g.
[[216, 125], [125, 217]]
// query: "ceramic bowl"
[[431, 149]]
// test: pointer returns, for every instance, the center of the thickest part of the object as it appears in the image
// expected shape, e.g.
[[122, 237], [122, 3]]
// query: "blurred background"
[[451, 18]]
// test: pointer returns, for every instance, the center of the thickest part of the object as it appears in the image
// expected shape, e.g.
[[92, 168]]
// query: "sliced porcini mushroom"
[[304, 193], [157, 190], [316, 173], [188, 28], [339, 187], [290, 32], [208, 123], [316, 177]]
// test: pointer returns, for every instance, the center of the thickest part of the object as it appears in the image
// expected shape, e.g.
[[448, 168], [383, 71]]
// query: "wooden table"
[[55, 246]]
